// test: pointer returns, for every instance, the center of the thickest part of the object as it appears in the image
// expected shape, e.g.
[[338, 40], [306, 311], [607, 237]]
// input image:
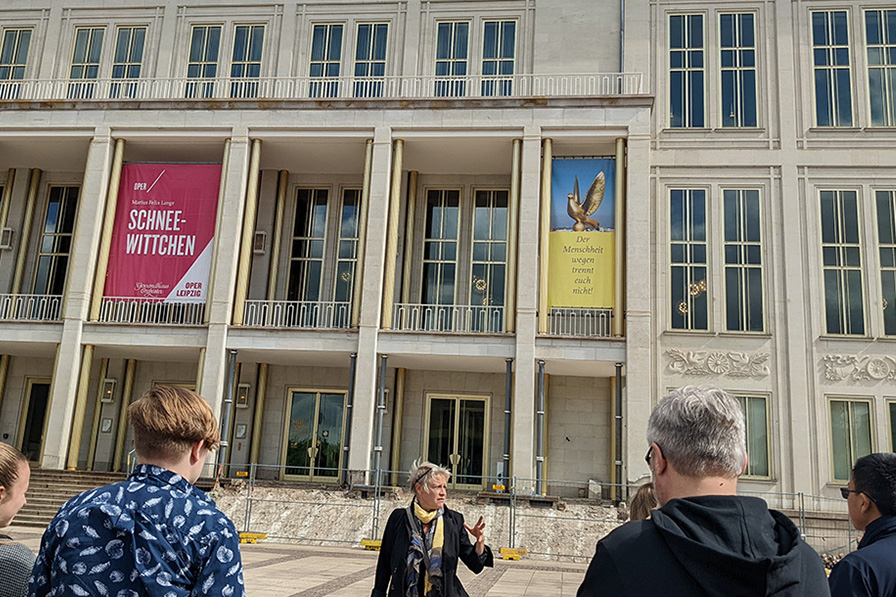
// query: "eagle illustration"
[[580, 210]]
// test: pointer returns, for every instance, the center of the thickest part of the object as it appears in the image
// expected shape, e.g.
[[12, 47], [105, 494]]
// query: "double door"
[[315, 429], [456, 437]]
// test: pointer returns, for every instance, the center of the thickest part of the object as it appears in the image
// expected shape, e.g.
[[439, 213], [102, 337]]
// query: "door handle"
[[454, 459], [312, 452]]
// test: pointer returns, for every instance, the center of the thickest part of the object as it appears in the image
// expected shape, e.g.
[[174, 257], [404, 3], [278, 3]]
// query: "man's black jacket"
[[725, 546]]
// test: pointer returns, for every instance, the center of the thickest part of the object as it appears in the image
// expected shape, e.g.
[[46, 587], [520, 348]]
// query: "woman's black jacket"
[[394, 551]]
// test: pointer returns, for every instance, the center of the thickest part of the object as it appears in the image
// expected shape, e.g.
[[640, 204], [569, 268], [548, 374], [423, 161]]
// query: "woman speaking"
[[422, 542]]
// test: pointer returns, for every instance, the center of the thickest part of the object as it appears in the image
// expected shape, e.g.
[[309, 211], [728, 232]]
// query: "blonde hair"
[[643, 502], [167, 421], [423, 472], [10, 458]]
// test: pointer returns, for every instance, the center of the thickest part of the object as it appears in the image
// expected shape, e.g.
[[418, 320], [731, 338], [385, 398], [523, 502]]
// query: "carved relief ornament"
[[838, 367], [730, 364]]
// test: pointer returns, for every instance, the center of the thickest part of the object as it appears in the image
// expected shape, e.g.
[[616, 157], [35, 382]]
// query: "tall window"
[[85, 61], [13, 57], [452, 48], [489, 248], [326, 55], [128, 60], [886, 239], [842, 263], [880, 29], [688, 259], [756, 418], [245, 66], [743, 261], [686, 71], [307, 251], [830, 57], [347, 247], [370, 59], [738, 47], [892, 407], [204, 46], [440, 246], [850, 434], [498, 54], [56, 240]]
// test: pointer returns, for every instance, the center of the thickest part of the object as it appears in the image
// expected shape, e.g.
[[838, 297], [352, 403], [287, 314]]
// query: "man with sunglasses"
[[871, 497], [704, 540]]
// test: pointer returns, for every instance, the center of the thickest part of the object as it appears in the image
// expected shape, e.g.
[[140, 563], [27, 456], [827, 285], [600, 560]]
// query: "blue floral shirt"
[[152, 535]]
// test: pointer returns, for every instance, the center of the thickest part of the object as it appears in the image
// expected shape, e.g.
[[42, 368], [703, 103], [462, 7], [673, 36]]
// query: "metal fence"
[[30, 307], [298, 314], [150, 311], [465, 319], [580, 322], [564, 523]]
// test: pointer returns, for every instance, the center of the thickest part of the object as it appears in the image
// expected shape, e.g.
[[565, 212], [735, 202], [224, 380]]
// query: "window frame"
[[879, 252], [705, 289], [42, 234], [830, 399], [766, 399], [325, 85], [890, 404], [850, 71], [890, 106], [246, 86], [204, 84], [762, 267], [686, 112], [372, 83], [503, 83], [13, 65], [840, 247], [491, 241], [739, 70]]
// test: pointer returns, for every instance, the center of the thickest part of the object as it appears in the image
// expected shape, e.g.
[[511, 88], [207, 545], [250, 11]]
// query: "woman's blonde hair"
[[9, 465], [167, 421], [423, 472], [643, 502]]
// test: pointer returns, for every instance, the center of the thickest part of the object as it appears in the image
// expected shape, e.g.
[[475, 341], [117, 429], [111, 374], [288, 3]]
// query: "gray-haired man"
[[704, 539]]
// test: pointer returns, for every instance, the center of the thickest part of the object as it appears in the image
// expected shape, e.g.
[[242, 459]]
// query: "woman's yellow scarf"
[[438, 539]]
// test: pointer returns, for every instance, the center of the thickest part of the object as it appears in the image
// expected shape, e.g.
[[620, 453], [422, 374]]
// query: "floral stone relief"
[[731, 364], [838, 367]]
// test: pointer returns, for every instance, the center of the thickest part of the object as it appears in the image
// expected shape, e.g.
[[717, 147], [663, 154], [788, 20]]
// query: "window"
[[128, 60], [204, 45], [56, 241], [498, 49], [738, 47], [880, 31], [842, 263], [830, 57], [440, 246], [688, 259], [370, 59], [850, 434], [686, 103], [743, 261], [326, 54], [892, 407], [13, 57], [245, 67], [347, 247], [85, 61], [307, 251], [489, 260], [452, 47], [756, 418], [886, 238]]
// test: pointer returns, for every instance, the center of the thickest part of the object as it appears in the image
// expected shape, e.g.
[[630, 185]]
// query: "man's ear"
[[746, 463], [196, 451], [867, 504], [658, 460]]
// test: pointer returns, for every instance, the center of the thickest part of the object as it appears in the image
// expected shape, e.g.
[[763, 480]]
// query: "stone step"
[[50, 489]]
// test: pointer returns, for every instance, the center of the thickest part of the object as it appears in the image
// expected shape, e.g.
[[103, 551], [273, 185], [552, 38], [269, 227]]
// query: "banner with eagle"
[[583, 237]]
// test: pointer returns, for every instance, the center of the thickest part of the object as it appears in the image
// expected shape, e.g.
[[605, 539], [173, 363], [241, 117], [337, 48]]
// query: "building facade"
[[382, 283]]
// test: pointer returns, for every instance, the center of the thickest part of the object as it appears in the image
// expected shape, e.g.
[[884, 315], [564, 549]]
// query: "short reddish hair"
[[167, 421]]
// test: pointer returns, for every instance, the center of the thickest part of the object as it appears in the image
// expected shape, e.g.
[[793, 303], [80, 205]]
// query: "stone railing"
[[30, 307], [580, 322], [284, 88], [461, 319], [116, 309], [298, 314]]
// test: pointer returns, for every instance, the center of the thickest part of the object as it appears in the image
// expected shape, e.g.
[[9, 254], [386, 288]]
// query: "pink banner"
[[164, 226]]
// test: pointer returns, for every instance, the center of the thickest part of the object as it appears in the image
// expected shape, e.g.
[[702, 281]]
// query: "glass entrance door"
[[456, 438], [35, 417], [315, 425]]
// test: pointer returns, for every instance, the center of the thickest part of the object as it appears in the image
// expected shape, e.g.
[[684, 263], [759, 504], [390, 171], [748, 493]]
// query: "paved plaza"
[[285, 570]]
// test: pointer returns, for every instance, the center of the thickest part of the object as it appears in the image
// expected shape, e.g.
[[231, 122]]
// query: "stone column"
[[522, 463], [79, 284], [214, 366], [361, 446], [640, 368]]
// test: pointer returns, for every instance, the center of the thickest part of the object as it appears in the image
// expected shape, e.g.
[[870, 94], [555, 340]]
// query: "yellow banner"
[[582, 266]]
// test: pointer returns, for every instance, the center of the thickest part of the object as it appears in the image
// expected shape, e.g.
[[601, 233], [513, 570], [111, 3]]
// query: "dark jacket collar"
[[877, 529]]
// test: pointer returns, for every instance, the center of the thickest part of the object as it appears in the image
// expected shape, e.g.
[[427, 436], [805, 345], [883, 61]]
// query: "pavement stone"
[[274, 569]]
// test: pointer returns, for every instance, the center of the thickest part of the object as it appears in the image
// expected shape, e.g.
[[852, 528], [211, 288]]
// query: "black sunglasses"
[[845, 491]]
